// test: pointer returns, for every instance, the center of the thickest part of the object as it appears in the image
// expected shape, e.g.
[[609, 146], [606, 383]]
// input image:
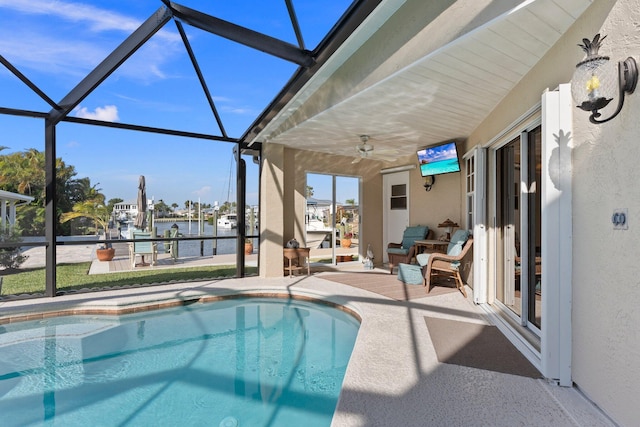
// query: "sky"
[[56, 43]]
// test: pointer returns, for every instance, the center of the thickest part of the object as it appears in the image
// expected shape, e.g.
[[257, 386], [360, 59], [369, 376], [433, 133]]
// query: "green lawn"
[[76, 276]]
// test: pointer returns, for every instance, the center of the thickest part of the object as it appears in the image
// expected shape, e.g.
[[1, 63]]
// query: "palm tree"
[[93, 209]]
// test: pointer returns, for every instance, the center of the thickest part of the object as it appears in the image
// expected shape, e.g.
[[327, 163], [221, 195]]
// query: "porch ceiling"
[[438, 83]]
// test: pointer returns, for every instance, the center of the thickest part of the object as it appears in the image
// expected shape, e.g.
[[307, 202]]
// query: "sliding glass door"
[[333, 217], [518, 227]]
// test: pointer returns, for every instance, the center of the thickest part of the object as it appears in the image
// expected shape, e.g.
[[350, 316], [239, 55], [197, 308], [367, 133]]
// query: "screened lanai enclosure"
[[94, 98]]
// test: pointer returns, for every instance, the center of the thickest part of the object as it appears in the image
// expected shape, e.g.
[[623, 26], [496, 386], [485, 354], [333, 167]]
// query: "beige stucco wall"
[[606, 284], [433, 207], [272, 205], [606, 288]]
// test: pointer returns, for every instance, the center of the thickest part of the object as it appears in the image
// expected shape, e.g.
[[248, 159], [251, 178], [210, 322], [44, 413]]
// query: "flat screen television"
[[439, 159]]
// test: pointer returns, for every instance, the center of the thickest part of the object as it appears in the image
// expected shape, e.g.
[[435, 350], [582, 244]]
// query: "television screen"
[[439, 159]]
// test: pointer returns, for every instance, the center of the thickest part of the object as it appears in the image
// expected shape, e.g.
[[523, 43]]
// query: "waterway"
[[222, 246]]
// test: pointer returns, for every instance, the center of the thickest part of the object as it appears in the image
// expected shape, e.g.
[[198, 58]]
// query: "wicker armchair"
[[405, 251], [437, 264]]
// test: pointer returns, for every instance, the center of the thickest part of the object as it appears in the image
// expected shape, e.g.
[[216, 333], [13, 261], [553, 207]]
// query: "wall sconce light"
[[593, 83], [428, 182], [448, 225]]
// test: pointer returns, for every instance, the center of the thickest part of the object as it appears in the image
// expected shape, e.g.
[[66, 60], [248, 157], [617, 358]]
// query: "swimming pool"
[[244, 362]]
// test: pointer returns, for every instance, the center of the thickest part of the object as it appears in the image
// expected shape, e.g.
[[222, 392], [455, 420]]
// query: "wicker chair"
[[405, 251], [437, 264]]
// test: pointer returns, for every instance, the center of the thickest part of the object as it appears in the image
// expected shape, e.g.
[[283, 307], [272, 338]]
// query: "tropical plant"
[[94, 210]]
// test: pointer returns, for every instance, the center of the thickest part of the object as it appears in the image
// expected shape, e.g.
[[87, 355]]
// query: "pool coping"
[[393, 376]]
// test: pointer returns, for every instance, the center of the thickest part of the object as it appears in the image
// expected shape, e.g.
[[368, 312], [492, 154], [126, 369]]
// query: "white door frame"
[[476, 218], [554, 356], [393, 222], [557, 276]]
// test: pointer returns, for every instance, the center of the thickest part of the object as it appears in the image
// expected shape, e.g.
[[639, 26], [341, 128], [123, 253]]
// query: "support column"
[[50, 219], [272, 210]]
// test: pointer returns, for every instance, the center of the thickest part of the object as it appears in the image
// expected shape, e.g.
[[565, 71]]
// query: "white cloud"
[[108, 113], [204, 191], [41, 45], [97, 19]]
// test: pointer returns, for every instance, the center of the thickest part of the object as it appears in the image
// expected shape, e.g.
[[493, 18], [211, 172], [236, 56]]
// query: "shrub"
[[11, 258]]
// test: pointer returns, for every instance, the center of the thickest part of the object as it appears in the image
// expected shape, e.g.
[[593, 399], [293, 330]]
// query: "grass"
[[76, 276]]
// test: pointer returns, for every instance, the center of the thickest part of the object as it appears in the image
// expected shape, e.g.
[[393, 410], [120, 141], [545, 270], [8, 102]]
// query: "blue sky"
[[56, 43]]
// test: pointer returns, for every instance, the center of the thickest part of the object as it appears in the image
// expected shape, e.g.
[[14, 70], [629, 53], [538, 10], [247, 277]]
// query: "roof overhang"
[[415, 73], [15, 198]]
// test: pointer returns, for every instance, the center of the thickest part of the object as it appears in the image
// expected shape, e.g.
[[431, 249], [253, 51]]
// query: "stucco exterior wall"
[[606, 287], [434, 207], [272, 206]]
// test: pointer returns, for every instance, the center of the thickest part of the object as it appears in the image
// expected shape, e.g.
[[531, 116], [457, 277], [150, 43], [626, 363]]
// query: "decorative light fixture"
[[428, 182], [593, 83], [448, 225]]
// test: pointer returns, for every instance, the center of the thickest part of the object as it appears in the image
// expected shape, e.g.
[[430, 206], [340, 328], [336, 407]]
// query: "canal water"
[[206, 247]]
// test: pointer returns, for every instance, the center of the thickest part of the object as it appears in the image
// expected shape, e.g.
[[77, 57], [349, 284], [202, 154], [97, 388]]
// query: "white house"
[[8, 204]]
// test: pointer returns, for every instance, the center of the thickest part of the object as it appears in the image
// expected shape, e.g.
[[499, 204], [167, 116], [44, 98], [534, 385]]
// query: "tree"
[[161, 209], [350, 202], [24, 173], [309, 192]]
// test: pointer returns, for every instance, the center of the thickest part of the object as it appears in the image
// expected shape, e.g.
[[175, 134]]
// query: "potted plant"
[[95, 210], [104, 252], [248, 246], [345, 241]]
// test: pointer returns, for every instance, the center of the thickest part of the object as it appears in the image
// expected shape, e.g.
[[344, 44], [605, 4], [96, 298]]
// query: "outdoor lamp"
[[593, 84], [448, 225], [428, 182]]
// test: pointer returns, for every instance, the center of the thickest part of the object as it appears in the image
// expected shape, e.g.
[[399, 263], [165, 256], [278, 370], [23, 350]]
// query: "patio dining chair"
[[438, 264], [142, 248]]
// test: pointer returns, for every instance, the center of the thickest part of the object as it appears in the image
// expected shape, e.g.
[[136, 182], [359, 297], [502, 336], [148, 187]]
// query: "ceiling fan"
[[363, 149]]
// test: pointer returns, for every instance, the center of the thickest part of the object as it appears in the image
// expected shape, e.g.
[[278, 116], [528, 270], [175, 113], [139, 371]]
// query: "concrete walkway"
[[394, 377]]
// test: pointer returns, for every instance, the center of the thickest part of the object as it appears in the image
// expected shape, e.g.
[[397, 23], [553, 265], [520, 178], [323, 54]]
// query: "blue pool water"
[[238, 362]]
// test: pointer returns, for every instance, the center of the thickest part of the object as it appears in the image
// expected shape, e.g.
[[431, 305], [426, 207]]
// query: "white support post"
[[557, 110]]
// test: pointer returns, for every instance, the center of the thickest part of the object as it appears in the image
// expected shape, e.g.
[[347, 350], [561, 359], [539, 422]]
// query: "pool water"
[[237, 362]]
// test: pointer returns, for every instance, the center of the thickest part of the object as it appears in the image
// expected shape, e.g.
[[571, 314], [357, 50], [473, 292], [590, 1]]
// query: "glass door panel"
[[534, 229], [518, 227], [508, 225], [332, 221]]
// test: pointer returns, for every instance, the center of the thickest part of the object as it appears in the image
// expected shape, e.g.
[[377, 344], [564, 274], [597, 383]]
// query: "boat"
[[228, 221], [317, 230]]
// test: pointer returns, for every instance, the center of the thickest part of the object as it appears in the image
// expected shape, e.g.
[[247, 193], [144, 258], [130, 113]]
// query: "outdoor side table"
[[431, 246], [295, 259]]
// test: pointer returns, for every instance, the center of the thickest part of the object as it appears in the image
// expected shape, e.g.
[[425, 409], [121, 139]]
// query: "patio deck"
[[121, 261]]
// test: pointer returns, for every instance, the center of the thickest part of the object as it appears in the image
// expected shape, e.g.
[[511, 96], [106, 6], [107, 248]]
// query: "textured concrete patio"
[[394, 376]]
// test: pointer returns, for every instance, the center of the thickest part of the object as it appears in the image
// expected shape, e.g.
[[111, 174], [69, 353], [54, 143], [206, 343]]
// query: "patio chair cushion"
[[411, 234], [457, 241], [410, 274], [398, 251], [422, 259]]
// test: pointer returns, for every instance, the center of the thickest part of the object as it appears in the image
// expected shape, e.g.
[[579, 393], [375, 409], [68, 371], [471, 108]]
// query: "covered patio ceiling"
[[416, 73]]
